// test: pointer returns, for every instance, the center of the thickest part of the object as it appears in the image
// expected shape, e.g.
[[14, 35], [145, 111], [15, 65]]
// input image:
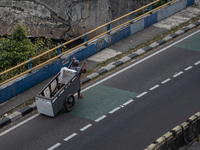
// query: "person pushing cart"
[[75, 66], [59, 92]]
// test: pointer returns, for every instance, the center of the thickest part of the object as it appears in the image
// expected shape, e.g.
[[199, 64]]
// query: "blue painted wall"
[[94, 47], [149, 20]]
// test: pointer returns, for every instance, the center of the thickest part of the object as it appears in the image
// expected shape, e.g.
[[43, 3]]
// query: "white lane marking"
[[197, 63], [142, 94], [165, 81], [138, 62], [55, 146], [114, 110], [153, 88], [128, 102], [178, 74], [101, 118], [86, 127], [70, 137], [188, 68], [21, 123]]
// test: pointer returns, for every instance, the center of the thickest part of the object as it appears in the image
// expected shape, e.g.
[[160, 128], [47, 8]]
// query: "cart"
[[56, 96]]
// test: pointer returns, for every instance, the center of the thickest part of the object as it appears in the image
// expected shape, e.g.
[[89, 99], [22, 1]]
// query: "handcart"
[[59, 92]]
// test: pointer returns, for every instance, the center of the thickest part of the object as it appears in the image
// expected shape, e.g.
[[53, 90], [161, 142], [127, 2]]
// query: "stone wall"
[[62, 19]]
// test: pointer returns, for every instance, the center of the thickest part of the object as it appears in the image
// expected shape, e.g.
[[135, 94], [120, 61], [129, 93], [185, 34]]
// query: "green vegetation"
[[27, 103], [17, 48], [153, 7]]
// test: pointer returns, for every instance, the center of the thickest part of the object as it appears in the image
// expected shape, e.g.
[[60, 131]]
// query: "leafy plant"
[[17, 48]]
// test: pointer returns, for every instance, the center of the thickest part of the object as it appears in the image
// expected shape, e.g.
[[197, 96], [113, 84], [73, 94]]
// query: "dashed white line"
[[178, 74], [198, 62], [86, 127], [138, 62], [114, 110], [70, 137], [153, 88], [165, 81], [128, 102], [101, 118], [142, 94], [23, 122], [188, 68], [55, 146]]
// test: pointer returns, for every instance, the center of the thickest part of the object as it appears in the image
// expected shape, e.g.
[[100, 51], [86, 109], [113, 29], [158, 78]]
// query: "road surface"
[[128, 108]]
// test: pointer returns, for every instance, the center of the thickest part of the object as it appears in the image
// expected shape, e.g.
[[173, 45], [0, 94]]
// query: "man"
[[77, 68]]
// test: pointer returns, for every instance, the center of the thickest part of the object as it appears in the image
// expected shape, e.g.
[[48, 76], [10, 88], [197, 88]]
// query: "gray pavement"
[[112, 51], [107, 53], [194, 146]]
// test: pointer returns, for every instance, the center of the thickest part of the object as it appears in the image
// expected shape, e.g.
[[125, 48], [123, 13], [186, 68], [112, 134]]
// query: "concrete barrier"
[[27, 81], [179, 136]]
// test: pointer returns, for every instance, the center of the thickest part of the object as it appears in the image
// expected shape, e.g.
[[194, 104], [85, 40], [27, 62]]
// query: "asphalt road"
[[127, 109]]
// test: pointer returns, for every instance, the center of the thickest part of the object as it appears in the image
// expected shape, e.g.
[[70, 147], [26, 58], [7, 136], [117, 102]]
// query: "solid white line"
[[128, 102], [165, 81], [188, 68], [70, 137], [86, 127], [142, 94], [55, 146], [178, 74], [101, 118], [138, 62], [153, 88], [114, 110], [21, 123], [197, 63]]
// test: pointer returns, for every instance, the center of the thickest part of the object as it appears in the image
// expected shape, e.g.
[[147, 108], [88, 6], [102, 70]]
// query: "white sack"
[[66, 75]]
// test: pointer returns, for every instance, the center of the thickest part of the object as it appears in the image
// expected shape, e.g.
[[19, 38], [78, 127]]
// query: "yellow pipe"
[[75, 47], [162, 5], [58, 56], [16, 76], [99, 27], [58, 47], [75, 39], [99, 35], [143, 15], [47, 61], [135, 11], [146, 6], [16, 67], [83, 36]]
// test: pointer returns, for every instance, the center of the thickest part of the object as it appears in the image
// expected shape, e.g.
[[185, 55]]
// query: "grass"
[[108, 61], [27, 103], [145, 44]]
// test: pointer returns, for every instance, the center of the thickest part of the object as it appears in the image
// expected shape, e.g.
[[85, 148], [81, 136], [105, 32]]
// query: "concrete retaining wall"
[[179, 136], [25, 82]]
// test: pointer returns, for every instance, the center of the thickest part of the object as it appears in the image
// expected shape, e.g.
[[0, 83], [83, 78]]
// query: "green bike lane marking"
[[99, 100], [191, 43]]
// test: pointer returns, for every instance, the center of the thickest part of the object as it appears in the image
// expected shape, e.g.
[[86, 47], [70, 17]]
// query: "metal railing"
[[58, 48]]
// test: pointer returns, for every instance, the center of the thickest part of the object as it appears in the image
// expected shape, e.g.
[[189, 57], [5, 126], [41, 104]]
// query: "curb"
[[180, 136], [17, 115], [139, 52], [26, 110]]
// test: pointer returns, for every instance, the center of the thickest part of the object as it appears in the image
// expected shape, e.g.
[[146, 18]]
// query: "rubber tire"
[[67, 100]]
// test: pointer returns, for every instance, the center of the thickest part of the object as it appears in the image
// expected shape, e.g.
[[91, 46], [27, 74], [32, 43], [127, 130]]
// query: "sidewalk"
[[194, 146], [113, 50]]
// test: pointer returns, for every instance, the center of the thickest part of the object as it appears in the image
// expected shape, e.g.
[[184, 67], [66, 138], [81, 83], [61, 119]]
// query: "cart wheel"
[[69, 103]]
